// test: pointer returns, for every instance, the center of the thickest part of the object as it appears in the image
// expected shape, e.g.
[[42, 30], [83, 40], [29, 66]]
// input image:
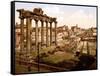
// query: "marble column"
[[22, 35], [28, 35], [88, 51], [55, 33], [42, 32], [50, 33], [36, 35], [47, 41]]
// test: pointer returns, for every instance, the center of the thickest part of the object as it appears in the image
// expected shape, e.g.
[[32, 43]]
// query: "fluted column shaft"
[[47, 41], [36, 35], [42, 32], [28, 34], [22, 35], [55, 33], [50, 33]]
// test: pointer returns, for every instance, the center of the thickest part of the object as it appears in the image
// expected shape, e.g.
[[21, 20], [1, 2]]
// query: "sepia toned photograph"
[[52, 37]]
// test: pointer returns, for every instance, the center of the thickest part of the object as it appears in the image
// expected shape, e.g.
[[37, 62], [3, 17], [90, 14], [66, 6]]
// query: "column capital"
[[21, 17], [42, 20], [50, 22], [29, 18], [47, 21], [55, 21], [36, 20], [21, 11]]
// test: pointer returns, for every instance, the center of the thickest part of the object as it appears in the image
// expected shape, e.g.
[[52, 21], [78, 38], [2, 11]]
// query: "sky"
[[67, 15]]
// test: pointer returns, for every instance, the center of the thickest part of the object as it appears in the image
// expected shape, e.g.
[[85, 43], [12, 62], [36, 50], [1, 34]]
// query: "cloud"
[[65, 15], [53, 10], [81, 18]]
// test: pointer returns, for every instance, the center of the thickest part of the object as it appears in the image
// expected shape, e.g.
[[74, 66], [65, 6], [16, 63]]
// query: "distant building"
[[62, 31]]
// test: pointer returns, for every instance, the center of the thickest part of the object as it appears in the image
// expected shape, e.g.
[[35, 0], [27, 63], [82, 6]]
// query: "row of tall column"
[[47, 34], [28, 33]]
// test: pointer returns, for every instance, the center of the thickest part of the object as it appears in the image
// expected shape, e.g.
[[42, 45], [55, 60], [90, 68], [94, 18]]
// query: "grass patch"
[[58, 57]]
